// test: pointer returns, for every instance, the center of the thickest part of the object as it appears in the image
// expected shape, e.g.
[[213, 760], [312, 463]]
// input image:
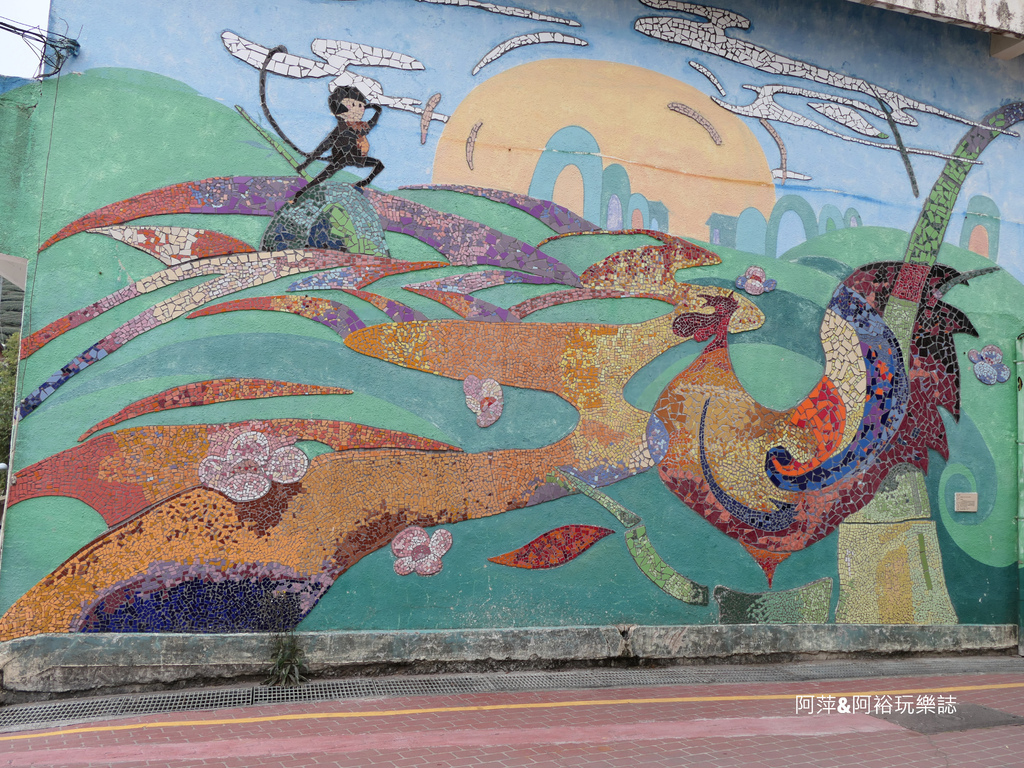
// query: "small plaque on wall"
[[965, 502]]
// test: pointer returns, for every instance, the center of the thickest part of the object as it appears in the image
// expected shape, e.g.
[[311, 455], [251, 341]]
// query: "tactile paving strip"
[[37, 715]]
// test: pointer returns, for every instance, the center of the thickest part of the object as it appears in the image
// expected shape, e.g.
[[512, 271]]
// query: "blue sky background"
[[17, 59], [943, 65]]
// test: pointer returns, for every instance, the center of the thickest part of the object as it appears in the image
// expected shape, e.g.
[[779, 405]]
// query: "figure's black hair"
[[340, 94]]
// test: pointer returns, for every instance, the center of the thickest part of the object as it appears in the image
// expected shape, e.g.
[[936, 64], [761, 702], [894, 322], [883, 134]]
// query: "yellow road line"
[[498, 707]]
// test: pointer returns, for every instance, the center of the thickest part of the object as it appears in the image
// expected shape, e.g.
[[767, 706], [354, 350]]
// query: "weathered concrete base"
[[65, 664], [754, 640]]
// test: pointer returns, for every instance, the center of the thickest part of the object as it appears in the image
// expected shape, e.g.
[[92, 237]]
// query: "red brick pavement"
[[718, 726]]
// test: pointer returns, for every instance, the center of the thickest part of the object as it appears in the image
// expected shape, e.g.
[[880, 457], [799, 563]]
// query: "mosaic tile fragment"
[[471, 143], [396, 310], [209, 392], [711, 36], [428, 112], [505, 10], [417, 552], [120, 473], [669, 580], [250, 195], [559, 218], [484, 398], [768, 561], [249, 468], [364, 271], [244, 271], [465, 242], [468, 307], [708, 74], [237, 271], [530, 38], [332, 314], [332, 215], [173, 245], [755, 282], [336, 56], [892, 574], [890, 565], [623, 515], [989, 367], [808, 604], [554, 548], [848, 118], [698, 118]]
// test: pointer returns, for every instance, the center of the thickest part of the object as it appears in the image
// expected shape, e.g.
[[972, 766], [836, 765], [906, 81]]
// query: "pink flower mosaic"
[[484, 398], [755, 282], [247, 470], [415, 551]]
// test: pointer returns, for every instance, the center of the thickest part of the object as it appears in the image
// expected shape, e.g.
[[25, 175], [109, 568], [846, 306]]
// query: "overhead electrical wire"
[[52, 48]]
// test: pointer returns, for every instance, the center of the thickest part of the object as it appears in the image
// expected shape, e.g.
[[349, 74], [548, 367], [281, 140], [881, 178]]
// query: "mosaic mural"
[[765, 397]]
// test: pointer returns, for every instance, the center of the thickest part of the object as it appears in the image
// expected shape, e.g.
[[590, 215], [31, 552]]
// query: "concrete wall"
[[989, 15], [439, 403]]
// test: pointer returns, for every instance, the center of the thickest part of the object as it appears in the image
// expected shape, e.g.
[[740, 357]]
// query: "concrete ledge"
[[61, 664], [79, 662], [718, 642]]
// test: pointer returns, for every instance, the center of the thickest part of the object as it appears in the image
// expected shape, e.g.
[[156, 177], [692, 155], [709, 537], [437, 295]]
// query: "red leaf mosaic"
[[554, 548]]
